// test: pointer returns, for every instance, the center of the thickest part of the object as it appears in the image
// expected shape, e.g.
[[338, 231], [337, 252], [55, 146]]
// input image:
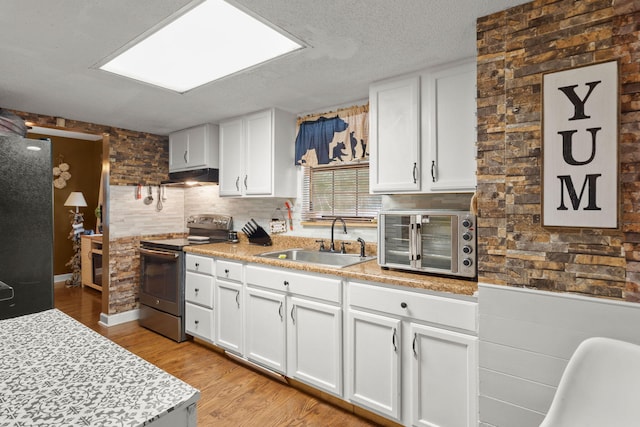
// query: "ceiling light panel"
[[210, 41]]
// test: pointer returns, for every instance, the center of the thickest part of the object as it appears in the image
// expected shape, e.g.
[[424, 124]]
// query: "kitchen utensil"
[[149, 199], [159, 205], [139, 192], [164, 193], [288, 206]]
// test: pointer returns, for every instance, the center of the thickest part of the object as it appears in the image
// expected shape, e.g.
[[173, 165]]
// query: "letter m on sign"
[[580, 147]]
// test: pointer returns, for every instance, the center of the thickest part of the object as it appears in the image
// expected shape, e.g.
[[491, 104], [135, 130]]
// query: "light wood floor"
[[231, 394]]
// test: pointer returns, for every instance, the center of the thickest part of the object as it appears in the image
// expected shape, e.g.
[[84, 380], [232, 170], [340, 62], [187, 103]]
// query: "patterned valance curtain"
[[332, 138]]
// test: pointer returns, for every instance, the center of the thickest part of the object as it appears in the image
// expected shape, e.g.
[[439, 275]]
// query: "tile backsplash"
[[132, 217]]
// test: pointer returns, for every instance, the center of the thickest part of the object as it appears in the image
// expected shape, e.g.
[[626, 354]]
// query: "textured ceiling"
[[49, 50]]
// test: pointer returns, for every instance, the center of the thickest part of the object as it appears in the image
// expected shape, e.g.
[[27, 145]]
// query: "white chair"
[[599, 388]]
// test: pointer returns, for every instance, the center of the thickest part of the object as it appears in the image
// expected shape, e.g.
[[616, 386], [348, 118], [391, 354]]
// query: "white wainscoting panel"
[[526, 339]]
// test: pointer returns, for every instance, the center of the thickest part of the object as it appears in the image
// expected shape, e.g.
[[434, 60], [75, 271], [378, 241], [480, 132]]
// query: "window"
[[332, 191]]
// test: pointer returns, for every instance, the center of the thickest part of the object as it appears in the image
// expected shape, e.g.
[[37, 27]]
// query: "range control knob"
[[467, 262], [467, 223], [467, 236], [467, 249]]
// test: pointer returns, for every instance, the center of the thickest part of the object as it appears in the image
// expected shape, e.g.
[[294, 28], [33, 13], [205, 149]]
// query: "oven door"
[[161, 280], [435, 243]]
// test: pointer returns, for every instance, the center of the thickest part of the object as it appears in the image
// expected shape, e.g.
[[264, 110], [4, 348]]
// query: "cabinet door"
[[86, 262], [395, 136], [450, 110], [444, 381], [228, 315], [374, 362], [231, 158], [266, 329], [196, 149], [178, 150], [259, 154], [315, 344]]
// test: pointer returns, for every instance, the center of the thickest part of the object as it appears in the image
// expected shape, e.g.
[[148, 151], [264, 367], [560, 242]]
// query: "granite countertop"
[[368, 271], [56, 371]]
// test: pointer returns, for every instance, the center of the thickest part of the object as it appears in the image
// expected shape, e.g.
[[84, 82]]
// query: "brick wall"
[[515, 48]]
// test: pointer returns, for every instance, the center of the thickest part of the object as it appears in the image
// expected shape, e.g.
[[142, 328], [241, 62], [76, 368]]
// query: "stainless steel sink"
[[329, 259]]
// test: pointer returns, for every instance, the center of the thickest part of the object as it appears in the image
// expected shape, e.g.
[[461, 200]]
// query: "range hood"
[[197, 176]]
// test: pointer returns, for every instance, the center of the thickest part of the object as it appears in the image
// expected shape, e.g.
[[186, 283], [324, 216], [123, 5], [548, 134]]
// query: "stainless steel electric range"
[[162, 274]]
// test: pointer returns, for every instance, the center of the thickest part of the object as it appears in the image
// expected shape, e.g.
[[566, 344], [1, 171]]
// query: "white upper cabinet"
[[194, 148], [257, 155], [449, 120], [394, 136], [423, 132]]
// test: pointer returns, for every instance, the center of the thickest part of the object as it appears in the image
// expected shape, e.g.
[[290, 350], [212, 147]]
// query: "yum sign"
[[580, 147]]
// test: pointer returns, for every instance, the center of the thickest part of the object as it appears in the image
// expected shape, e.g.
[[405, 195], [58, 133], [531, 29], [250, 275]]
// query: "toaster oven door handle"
[[413, 239], [170, 255]]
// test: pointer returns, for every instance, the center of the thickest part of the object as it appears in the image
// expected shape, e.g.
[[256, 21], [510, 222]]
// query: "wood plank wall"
[[526, 339]]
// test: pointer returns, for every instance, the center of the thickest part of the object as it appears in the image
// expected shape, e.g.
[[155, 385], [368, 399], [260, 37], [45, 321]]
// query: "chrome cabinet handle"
[[185, 156], [245, 181], [415, 169], [196, 322], [286, 283], [238, 183], [415, 338], [197, 265], [280, 312], [393, 341], [238, 298], [197, 290], [433, 170], [293, 319]]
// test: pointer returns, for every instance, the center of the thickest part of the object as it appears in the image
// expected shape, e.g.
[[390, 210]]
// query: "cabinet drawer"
[[199, 289], [449, 312], [325, 288], [199, 321], [199, 264], [229, 270]]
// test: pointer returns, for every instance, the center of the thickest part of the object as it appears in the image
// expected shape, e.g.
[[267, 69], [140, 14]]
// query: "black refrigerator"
[[26, 226]]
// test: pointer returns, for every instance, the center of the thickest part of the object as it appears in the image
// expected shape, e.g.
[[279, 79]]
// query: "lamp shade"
[[75, 199]]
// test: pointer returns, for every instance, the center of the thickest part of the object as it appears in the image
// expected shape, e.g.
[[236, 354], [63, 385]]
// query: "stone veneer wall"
[[134, 157], [515, 48]]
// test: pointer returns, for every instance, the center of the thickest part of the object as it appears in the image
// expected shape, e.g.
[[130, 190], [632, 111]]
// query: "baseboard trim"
[[109, 320], [61, 277]]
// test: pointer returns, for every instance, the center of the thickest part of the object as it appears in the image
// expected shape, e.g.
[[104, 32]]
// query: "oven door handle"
[[170, 255]]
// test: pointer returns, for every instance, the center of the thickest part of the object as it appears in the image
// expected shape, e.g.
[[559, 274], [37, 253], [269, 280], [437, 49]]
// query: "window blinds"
[[331, 191]]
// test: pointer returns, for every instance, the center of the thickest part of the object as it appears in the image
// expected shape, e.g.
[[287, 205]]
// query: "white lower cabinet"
[[315, 344], [228, 315], [199, 321], [405, 362], [294, 325], [443, 377], [409, 356], [199, 298], [266, 329], [373, 353]]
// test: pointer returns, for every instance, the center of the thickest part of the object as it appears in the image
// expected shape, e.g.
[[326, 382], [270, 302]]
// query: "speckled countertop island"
[[54, 371], [367, 271]]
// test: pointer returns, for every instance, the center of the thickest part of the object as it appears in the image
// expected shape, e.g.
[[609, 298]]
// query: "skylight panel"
[[210, 41]]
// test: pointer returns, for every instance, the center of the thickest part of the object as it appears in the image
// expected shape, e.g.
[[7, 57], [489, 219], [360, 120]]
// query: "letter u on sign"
[[580, 147]]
